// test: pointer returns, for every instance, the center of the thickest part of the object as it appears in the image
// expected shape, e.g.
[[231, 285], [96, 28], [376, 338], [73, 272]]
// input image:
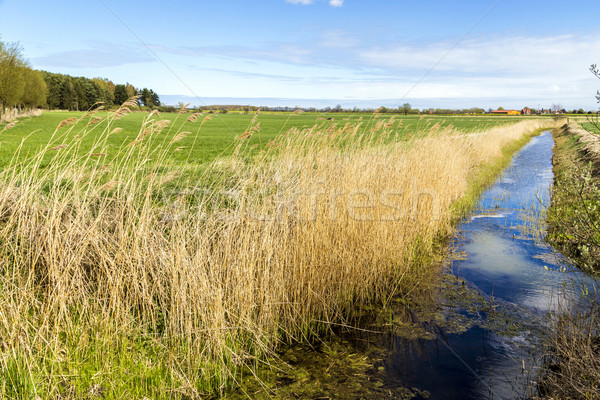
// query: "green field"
[[216, 136]]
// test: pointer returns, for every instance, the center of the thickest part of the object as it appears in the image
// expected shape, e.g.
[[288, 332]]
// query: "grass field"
[[216, 136], [109, 287]]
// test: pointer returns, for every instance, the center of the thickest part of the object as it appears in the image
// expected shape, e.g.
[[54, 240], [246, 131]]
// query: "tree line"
[[22, 87], [79, 93]]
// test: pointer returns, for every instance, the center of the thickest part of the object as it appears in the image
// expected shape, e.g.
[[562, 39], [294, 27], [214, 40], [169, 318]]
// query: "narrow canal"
[[514, 279]]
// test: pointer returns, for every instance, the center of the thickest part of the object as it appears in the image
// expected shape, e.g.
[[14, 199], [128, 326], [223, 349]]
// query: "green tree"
[[34, 94], [68, 95], [12, 81], [105, 90], [154, 98], [406, 108], [131, 90], [54, 86], [120, 94], [145, 97]]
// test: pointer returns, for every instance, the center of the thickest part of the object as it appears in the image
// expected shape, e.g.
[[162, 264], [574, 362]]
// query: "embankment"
[[575, 211]]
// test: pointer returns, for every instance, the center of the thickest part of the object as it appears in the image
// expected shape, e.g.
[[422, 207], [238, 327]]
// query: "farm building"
[[507, 112]]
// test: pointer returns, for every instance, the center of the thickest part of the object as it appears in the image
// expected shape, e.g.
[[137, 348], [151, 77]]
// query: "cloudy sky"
[[322, 52]]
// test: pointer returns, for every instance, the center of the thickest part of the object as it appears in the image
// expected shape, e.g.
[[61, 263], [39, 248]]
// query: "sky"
[[364, 53]]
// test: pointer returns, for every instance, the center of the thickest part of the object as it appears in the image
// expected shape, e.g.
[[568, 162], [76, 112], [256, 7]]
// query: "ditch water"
[[513, 278]]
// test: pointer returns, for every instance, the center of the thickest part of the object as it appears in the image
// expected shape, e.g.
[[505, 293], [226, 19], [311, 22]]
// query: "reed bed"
[[120, 278]]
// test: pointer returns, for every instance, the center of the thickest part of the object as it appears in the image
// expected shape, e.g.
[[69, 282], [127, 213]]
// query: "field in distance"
[[213, 135]]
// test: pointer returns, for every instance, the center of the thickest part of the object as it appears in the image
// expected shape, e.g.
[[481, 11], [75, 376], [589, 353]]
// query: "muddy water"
[[503, 261]]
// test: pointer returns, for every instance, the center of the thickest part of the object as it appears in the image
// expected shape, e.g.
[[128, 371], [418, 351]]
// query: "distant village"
[[529, 111], [404, 109]]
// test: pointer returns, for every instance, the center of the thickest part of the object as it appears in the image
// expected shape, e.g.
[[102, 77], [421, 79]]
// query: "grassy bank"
[[572, 368], [574, 215], [116, 281]]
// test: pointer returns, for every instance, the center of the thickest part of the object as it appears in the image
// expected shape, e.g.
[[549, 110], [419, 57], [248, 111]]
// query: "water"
[[517, 277]]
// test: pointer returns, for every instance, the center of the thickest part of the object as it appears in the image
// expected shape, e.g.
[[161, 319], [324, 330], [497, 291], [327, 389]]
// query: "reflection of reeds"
[[104, 267]]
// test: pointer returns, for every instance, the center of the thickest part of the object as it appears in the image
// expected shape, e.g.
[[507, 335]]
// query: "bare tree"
[[594, 119]]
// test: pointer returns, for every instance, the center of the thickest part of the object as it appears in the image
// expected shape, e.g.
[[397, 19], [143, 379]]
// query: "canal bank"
[[572, 366]]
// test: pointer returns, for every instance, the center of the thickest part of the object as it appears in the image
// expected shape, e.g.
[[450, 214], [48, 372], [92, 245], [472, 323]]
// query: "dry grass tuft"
[[68, 121], [194, 117], [184, 108], [180, 136], [9, 126], [94, 121]]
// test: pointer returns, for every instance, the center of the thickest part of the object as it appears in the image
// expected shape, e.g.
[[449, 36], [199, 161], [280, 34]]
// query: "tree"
[[148, 98], [54, 84], [154, 98], [556, 108], [12, 82], [130, 90], [406, 108], [120, 94], [105, 90], [34, 94], [594, 120], [68, 95]]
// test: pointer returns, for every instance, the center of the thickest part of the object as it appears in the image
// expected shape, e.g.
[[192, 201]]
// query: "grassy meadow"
[[146, 259], [213, 135]]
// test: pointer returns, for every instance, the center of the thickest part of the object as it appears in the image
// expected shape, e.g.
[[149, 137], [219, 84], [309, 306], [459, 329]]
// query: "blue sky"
[[322, 52]]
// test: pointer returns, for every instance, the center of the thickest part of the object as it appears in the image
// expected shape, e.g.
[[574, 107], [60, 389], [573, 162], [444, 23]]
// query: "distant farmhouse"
[[506, 112], [525, 111]]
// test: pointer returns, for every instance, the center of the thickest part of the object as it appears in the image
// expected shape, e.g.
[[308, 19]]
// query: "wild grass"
[[574, 215], [572, 366], [118, 280]]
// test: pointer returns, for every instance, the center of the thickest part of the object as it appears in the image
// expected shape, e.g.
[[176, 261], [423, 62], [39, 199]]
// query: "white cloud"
[[507, 56], [485, 70], [332, 3]]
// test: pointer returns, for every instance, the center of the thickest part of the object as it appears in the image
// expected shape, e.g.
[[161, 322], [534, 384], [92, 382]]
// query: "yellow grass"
[[96, 260]]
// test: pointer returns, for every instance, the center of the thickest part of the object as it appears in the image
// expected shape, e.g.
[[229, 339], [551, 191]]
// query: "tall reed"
[[116, 279]]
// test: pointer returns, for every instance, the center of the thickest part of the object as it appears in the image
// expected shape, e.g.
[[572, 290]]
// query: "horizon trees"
[[79, 93], [20, 85]]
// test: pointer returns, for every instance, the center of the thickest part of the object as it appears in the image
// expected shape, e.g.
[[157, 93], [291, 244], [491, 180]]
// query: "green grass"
[[216, 137]]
